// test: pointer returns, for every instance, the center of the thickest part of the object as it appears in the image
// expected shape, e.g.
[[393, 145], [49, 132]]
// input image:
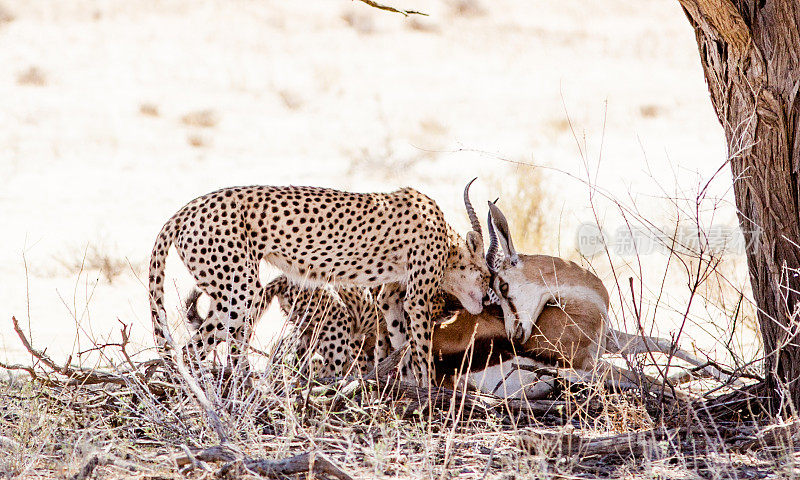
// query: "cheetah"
[[318, 236], [334, 324], [339, 325]]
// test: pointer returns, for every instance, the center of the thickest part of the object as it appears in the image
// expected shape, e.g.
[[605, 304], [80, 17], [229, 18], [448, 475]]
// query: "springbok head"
[[520, 297]]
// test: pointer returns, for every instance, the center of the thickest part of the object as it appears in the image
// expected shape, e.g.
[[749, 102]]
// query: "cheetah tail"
[[158, 260]]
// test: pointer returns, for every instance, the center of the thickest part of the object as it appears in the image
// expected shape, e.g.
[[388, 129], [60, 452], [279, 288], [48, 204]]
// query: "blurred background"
[[590, 120]]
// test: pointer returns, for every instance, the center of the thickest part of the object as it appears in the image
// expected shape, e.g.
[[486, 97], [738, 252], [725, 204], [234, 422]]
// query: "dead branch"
[[308, 462], [75, 376], [379, 6], [315, 462], [217, 453], [779, 435], [567, 442]]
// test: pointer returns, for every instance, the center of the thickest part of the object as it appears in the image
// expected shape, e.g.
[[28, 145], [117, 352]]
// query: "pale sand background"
[[328, 93]]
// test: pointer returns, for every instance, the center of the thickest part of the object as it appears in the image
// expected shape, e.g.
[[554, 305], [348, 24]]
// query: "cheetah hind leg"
[[197, 349], [231, 320]]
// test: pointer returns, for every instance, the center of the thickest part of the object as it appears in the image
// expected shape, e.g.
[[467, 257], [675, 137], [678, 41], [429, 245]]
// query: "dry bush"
[[467, 8], [32, 76], [201, 118], [94, 258], [360, 21], [649, 111], [528, 204], [291, 100], [127, 417], [197, 140], [6, 15], [149, 110]]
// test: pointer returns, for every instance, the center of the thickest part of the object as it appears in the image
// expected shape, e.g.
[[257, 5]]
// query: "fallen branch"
[[308, 462], [779, 435], [405, 13], [624, 445], [315, 462], [78, 376]]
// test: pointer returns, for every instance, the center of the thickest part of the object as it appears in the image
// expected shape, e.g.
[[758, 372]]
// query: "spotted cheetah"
[[338, 325], [329, 323], [317, 236]]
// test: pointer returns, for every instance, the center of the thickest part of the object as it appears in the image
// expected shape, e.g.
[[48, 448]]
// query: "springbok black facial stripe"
[[512, 307]]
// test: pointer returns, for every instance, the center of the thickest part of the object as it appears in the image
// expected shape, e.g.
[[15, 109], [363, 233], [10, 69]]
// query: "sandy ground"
[[97, 151]]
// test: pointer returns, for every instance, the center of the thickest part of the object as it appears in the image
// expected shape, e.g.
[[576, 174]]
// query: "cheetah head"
[[467, 275]]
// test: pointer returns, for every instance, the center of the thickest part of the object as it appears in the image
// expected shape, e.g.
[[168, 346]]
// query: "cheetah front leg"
[[390, 303]]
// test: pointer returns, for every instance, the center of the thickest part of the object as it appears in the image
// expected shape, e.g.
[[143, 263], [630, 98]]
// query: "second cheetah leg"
[[418, 364], [390, 304]]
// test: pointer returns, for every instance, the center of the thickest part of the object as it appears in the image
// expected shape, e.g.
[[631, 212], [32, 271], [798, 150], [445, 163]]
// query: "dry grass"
[[291, 100], [650, 111], [197, 140], [131, 418], [384, 161], [201, 118], [94, 257], [359, 20], [6, 15], [527, 203], [33, 76], [422, 25], [467, 8], [149, 110]]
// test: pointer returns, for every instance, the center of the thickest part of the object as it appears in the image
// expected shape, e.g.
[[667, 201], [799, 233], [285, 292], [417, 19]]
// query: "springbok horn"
[[473, 218], [492, 260], [503, 233]]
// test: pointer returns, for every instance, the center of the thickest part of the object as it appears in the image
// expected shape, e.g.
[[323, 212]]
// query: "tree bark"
[[750, 52]]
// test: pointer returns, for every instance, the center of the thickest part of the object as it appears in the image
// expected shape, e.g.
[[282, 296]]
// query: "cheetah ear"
[[474, 243]]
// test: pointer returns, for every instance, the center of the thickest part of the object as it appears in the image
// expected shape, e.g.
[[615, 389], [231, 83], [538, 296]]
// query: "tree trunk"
[[750, 52]]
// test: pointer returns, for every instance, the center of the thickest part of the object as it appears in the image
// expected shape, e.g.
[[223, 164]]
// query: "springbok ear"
[[503, 234], [474, 243]]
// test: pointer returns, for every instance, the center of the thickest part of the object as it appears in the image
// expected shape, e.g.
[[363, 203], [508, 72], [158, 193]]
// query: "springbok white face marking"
[[521, 299]]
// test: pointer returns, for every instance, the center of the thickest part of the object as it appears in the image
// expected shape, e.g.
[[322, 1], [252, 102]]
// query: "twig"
[[491, 458], [75, 376], [405, 13]]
